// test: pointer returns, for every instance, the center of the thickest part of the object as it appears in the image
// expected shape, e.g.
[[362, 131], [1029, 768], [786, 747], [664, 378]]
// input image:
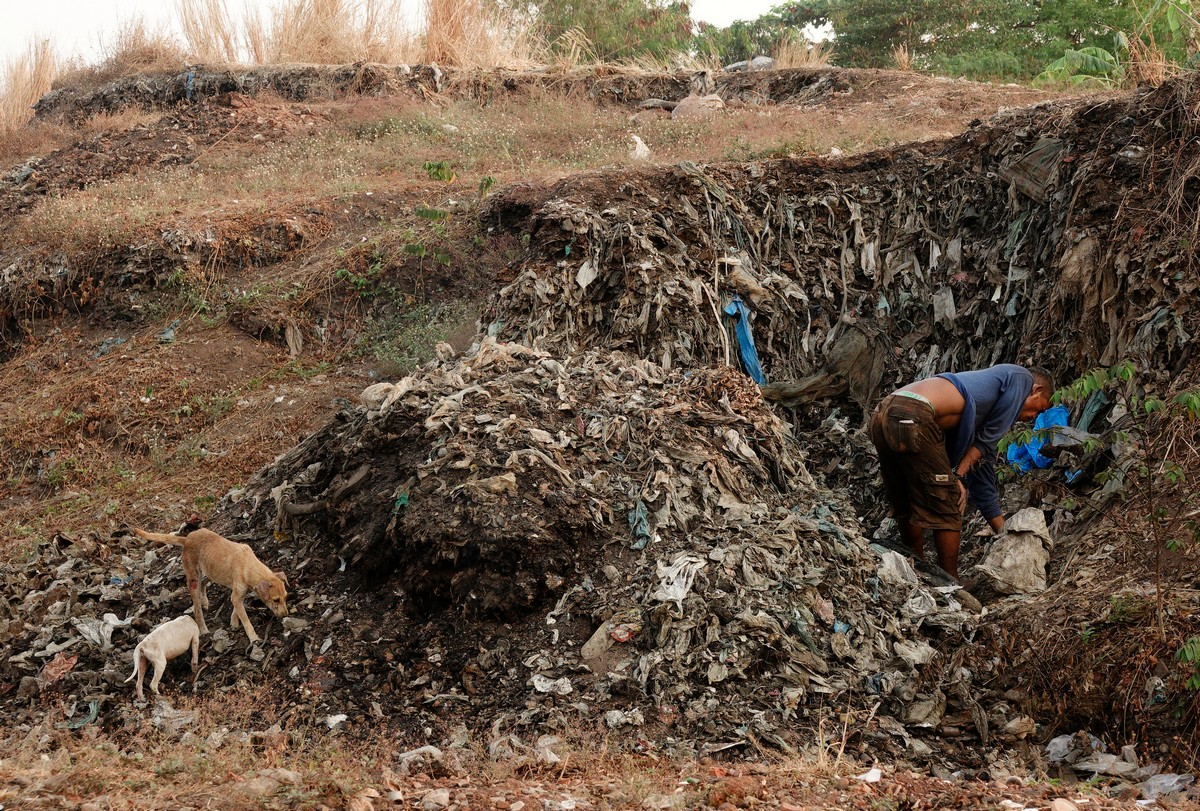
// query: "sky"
[[79, 26]]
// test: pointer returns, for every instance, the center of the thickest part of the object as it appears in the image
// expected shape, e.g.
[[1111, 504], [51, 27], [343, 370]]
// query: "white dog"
[[165, 642]]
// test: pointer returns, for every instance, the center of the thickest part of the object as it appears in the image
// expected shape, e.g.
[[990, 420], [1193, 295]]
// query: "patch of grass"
[[418, 124], [402, 341], [301, 369], [62, 472]]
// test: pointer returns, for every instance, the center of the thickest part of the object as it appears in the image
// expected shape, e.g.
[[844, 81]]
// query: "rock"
[[362, 801], [1129, 754], [1016, 561], [291, 778], [697, 108], [29, 687], [373, 396], [1063, 804], [294, 624], [436, 799], [259, 787], [1020, 727], [638, 151]]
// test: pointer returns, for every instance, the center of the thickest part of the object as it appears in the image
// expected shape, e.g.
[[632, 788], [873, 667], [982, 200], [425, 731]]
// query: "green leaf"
[[439, 170], [432, 214], [1190, 651]]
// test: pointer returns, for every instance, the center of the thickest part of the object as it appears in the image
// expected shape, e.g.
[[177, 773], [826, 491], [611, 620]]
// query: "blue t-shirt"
[[993, 401]]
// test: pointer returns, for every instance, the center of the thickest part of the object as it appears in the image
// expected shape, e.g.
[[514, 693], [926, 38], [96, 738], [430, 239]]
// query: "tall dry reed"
[[134, 49], [25, 79], [332, 32], [472, 34], [798, 52], [209, 31]]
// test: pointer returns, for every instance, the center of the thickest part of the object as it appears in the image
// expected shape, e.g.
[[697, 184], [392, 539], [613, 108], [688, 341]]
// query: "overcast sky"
[[78, 26]]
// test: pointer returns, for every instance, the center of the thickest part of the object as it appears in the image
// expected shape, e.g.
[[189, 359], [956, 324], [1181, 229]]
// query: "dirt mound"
[[293, 82], [177, 138], [896, 92]]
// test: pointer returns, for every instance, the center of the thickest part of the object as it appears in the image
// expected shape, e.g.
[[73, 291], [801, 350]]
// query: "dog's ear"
[[263, 589], [282, 577]]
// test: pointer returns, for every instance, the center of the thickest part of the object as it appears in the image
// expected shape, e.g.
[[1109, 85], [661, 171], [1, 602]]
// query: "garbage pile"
[[522, 545], [1050, 226], [654, 538]]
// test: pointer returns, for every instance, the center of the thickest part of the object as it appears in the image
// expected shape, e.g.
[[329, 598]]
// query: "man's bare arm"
[[969, 459]]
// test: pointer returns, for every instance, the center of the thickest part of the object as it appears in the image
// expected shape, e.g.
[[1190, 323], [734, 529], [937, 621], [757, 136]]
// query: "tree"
[[745, 39], [983, 38], [615, 29]]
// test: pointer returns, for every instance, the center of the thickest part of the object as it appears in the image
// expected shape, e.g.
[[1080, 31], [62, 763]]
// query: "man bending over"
[[937, 439]]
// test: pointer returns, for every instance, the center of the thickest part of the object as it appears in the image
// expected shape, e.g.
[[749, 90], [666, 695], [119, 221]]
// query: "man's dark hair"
[[1043, 377]]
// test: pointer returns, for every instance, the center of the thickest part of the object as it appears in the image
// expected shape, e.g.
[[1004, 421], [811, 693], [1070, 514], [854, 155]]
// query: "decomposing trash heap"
[[614, 543], [653, 537], [1053, 226]]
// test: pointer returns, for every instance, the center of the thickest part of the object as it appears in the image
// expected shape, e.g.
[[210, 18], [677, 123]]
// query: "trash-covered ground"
[[593, 520]]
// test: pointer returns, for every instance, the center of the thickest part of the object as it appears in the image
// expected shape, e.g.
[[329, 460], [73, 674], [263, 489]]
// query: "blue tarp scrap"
[[1026, 455], [737, 308]]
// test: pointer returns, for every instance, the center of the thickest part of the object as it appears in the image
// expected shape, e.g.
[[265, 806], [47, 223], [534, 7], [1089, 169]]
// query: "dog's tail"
[[137, 662], [177, 540]]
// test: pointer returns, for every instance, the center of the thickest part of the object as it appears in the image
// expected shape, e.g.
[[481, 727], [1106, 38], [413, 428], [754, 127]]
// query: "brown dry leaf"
[[362, 801], [391, 780]]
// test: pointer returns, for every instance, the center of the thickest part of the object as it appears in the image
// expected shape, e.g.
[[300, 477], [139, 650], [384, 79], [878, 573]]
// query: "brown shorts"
[[917, 477]]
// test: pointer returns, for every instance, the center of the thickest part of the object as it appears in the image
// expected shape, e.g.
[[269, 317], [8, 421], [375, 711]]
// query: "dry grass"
[[332, 32], [574, 50], [1147, 64], [472, 34], [798, 52], [149, 768], [209, 761], [135, 49], [118, 121], [26, 78], [209, 31], [298, 31], [901, 58], [381, 145]]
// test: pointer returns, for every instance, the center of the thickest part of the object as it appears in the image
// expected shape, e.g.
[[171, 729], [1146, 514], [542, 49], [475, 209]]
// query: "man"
[[936, 440]]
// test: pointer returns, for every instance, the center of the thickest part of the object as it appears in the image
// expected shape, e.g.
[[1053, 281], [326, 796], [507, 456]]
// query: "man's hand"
[[997, 523], [962, 497]]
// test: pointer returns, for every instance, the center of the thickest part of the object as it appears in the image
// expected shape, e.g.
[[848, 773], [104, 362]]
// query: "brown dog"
[[207, 554]]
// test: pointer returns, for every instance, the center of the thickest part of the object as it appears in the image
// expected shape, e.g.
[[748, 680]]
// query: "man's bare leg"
[[913, 536], [947, 542]]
